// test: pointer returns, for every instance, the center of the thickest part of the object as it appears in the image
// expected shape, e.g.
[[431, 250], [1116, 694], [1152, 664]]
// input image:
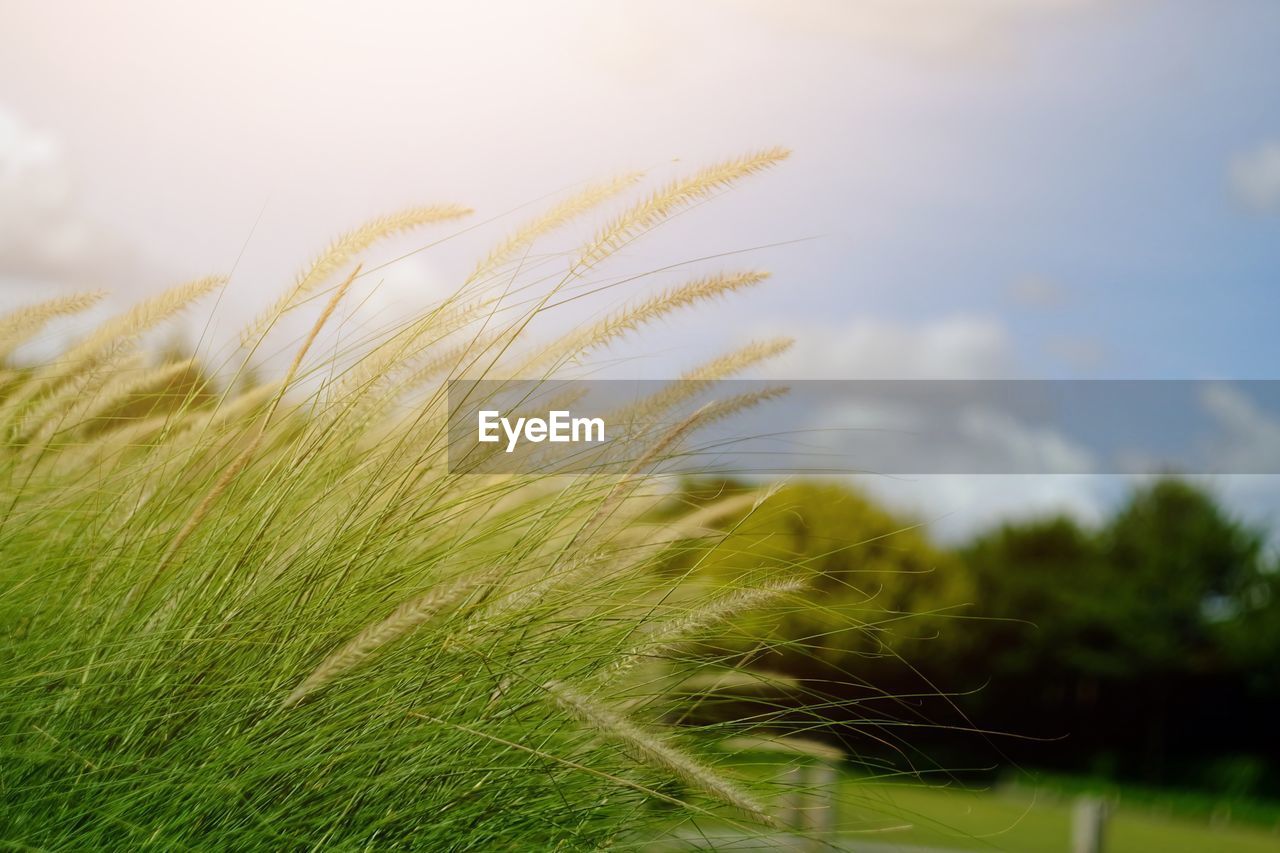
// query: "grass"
[[1197, 806], [882, 815], [1024, 822], [242, 610], [268, 615]]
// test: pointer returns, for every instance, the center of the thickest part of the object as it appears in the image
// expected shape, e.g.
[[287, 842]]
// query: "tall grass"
[[266, 615]]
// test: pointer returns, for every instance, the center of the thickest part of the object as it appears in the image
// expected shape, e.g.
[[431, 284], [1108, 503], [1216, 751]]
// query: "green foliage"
[[273, 617], [1152, 642], [1173, 545], [1148, 648], [1166, 586], [877, 587], [1037, 584]]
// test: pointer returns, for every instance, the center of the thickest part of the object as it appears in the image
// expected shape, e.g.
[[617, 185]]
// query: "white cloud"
[[913, 427], [48, 245], [1079, 352], [956, 506], [44, 238], [405, 288], [1035, 291], [947, 27], [1002, 442], [952, 348], [953, 505], [1251, 438], [1254, 177]]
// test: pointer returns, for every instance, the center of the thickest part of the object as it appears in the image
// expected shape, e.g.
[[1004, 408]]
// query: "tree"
[[877, 585], [1042, 601], [1187, 570], [1161, 628]]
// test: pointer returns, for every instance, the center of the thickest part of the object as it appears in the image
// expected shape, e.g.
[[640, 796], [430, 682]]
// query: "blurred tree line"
[[1147, 649]]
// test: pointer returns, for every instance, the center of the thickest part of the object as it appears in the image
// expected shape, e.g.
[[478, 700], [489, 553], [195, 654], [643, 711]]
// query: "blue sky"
[[950, 154], [983, 188], [1094, 164]]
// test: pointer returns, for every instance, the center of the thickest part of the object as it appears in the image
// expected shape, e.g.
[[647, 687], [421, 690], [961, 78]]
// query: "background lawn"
[[953, 818]]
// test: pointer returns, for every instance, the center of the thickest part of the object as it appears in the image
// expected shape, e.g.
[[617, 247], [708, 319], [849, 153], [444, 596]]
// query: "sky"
[[979, 188]]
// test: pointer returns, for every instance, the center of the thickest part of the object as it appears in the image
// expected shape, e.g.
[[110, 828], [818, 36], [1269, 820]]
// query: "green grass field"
[[241, 613], [951, 818]]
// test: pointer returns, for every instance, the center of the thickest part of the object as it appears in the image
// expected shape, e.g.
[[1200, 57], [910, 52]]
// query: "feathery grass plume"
[[169, 426], [53, 407], [707, 414], [736, 680], [402, 621], [525, 599], [695, 523], [739, 360], [671, 198], [341, 252], [68, 404], [78, 402], [124, 330], [21, 325], [629, 319], [131, 379], [662, 638], [648, 749], [233, 470], [618, 491], [693, 381], [716, 410], [126, 386], [380, 368], [559, 215], [307, 535], [113, 338], [719, 410], [448, 361]]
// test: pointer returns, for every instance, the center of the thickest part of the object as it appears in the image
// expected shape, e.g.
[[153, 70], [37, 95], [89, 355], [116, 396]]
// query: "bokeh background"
[[980, 189]]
